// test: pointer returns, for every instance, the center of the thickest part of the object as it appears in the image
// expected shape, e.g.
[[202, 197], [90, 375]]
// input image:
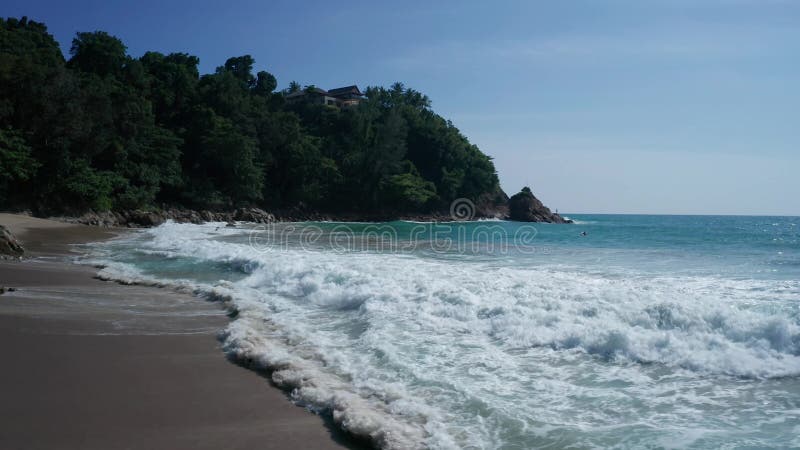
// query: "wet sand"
[[88, 364]]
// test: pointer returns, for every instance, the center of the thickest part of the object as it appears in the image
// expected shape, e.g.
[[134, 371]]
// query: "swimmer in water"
[[583, 233]]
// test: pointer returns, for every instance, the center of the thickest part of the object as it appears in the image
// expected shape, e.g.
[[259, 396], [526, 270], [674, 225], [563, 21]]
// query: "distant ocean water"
[[650, 331]]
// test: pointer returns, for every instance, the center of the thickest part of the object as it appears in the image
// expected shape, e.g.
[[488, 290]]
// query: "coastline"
[[92, 364]]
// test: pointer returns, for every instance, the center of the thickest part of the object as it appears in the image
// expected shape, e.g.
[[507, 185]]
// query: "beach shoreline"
[[93, 364]]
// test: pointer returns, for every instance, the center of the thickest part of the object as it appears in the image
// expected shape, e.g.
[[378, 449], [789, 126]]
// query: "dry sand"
[[88, 364]]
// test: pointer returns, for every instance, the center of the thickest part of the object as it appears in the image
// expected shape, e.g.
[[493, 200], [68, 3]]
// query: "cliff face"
[[525, 207], [492, 205]]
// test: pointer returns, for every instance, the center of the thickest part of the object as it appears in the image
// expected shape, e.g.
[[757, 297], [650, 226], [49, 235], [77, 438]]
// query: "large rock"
[[525, 207], [100, 219], [256, 215], [492, 205], [9, 245], [207, 216], [145, 218]]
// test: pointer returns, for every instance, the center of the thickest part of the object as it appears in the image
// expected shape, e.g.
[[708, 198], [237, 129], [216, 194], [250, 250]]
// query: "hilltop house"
[[342, 97]]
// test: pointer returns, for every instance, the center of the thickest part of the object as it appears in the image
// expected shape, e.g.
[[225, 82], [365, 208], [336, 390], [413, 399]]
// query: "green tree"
[[16, 163], [241, 67], [104, 130], [125, 140], [172, 86], [232, 166], [98, 52], [265, 84], [294, 86], [408, 191]]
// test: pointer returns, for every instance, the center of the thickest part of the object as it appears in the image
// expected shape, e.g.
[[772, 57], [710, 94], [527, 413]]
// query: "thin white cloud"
[[682, 42]]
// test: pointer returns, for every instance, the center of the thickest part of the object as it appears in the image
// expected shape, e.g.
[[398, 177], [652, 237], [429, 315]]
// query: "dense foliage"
[[104, 130]]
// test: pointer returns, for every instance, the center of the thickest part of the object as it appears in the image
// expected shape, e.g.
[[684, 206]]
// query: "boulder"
[[145, 218], [9, 245], [207, 216], [256, 215], [98, 219], [182, 215], [525, 207], [492, 205]]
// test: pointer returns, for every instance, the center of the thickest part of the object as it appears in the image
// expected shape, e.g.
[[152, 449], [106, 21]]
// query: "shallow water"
[[650, 331]]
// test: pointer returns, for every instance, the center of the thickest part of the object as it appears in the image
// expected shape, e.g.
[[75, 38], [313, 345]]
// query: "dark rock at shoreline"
[[492, 205], [99, 219], [525, 207], [256, 215], [144, 219], [9, 245], [206, 215], [302, 213]]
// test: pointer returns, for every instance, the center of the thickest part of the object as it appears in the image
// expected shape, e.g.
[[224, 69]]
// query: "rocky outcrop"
[[256, 215], [525, 207], [9, 245], [303, 213], [143, 219], [492, 205]]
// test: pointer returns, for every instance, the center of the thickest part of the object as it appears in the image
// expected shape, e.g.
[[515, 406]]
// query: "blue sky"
[[628, 106]]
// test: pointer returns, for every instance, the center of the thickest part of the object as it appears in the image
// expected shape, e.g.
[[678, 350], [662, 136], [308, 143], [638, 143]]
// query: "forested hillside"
[[104, 130]]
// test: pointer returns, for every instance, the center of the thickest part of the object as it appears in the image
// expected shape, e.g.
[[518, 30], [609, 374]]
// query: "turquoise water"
[[646, 332]]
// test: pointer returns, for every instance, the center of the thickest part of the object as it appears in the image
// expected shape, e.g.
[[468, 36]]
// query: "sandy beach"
[[89, 364]]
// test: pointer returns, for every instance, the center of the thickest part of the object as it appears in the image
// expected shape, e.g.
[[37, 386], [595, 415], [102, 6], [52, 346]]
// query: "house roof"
[[345, 90], [303, 92], [337, 92]]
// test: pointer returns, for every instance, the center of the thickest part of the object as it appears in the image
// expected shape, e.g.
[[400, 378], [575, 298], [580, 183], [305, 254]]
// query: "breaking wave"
[[412, 352]]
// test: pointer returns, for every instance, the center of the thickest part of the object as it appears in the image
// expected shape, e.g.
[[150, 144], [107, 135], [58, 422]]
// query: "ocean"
[[644, 332]]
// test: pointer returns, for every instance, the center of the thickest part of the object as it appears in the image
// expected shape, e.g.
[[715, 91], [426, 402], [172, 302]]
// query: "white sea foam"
[[581, 222], [417, 352]]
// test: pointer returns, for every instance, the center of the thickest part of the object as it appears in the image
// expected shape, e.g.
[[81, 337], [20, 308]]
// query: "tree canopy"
[[105, 130]]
